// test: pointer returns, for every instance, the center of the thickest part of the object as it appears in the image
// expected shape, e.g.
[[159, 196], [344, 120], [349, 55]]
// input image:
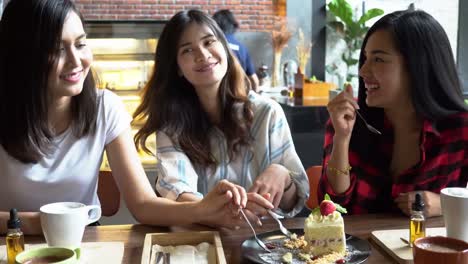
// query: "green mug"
[[57, 255]]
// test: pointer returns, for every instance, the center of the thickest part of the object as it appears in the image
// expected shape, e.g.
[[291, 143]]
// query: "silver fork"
[[283, 229], [259, 242], [371, 128]]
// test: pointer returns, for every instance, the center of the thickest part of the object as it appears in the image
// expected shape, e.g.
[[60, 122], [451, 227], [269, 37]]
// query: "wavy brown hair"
[[170, 103], [26, 59]]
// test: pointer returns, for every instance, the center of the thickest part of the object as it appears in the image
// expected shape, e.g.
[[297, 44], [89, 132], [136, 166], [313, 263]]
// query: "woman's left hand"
[[273, 181], [220, 207], [236, 193], [431, 202]]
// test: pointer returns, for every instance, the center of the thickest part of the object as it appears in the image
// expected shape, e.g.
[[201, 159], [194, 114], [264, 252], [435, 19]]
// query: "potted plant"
[[352, 30]]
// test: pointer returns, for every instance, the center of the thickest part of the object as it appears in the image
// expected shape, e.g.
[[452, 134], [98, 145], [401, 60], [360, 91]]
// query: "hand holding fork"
[[343, 109]]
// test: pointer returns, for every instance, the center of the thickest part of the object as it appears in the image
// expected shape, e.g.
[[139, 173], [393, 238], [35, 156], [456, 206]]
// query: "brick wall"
[[253, 15]]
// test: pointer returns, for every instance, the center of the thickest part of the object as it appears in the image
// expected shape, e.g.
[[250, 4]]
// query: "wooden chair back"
[[313, 173]]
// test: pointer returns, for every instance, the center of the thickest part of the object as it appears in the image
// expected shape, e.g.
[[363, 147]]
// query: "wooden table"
[[133, 235]]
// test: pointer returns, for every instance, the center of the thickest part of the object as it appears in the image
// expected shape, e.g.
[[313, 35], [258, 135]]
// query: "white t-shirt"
[[70, 172]]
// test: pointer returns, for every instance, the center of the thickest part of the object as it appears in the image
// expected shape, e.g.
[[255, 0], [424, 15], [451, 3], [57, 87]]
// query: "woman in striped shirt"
[[209, 126]]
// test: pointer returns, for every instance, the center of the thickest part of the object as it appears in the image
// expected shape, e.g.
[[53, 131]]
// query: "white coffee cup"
[[454, 203], [63, 223]]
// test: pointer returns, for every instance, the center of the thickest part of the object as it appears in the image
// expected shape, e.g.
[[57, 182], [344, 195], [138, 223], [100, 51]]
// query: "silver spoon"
[[371, 128]]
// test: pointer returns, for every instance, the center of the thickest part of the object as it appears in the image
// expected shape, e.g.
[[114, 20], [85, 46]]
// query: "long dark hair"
[[171, 104], [434, 81], [30, 36]]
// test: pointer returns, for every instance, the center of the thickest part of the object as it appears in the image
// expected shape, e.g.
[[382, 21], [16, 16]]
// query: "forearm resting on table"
[[339, 160], [164, 212], [30, 222], [190, 197]]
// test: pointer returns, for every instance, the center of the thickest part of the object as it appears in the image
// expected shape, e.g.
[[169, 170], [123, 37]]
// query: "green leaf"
[[327, 197], [352, 61], [342, 10], [341, 209], [354, 30], [371, 13], [349, 61]]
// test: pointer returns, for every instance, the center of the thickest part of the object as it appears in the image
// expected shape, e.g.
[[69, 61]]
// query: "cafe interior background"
[[124, 33]]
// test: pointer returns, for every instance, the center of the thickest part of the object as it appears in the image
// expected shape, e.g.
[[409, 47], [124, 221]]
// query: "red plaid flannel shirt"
[[443, 163]]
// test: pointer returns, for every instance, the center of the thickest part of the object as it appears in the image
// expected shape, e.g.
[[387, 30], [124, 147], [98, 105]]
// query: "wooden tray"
[[390, 241], [183, 238]]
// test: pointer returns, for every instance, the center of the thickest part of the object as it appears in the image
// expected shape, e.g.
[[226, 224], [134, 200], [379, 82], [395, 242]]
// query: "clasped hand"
[[265, 194], [221, 206], [431, 200]]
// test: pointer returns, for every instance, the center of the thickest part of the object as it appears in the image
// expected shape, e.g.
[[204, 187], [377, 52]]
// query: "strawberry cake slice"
[[324, 229]]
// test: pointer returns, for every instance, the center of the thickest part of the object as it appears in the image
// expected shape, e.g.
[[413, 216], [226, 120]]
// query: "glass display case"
[[123, 61], [117, 68]]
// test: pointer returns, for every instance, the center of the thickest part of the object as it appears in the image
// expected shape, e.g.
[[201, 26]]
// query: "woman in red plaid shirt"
[[410, 91]]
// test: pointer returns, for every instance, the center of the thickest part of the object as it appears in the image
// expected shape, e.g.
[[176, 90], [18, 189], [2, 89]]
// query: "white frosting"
[[325, 234], [333, 218]]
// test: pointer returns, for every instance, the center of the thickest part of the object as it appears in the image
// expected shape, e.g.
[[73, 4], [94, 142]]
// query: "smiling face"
[[384, 72], [201, 57], [73, 60]]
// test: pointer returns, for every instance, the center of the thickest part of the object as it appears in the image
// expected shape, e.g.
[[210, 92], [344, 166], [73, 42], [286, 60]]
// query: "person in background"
[[209, 127], [410, 91], [56, 126], [228, 23]]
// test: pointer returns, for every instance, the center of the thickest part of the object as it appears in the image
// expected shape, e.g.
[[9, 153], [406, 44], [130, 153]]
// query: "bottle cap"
[[14, 222], [418, 204]]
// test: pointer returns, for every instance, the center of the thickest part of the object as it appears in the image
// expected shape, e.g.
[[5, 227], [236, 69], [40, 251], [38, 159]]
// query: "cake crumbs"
[[328, 258], [304, 257], [298, 243], [301, 243], [287, 258]]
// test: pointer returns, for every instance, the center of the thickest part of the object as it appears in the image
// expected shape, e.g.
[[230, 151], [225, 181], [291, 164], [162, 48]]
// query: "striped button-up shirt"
[[272, 144]]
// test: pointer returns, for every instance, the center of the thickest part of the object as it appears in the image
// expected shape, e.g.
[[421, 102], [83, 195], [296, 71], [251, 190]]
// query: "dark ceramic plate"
[[358, 249]]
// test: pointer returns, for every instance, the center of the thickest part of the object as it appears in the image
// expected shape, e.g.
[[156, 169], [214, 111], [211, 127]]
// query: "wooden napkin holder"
[[183, 238]]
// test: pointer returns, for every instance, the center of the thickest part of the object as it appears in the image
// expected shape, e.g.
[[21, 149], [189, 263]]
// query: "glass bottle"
[[14, 237], [298, 86], [417, 220]]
